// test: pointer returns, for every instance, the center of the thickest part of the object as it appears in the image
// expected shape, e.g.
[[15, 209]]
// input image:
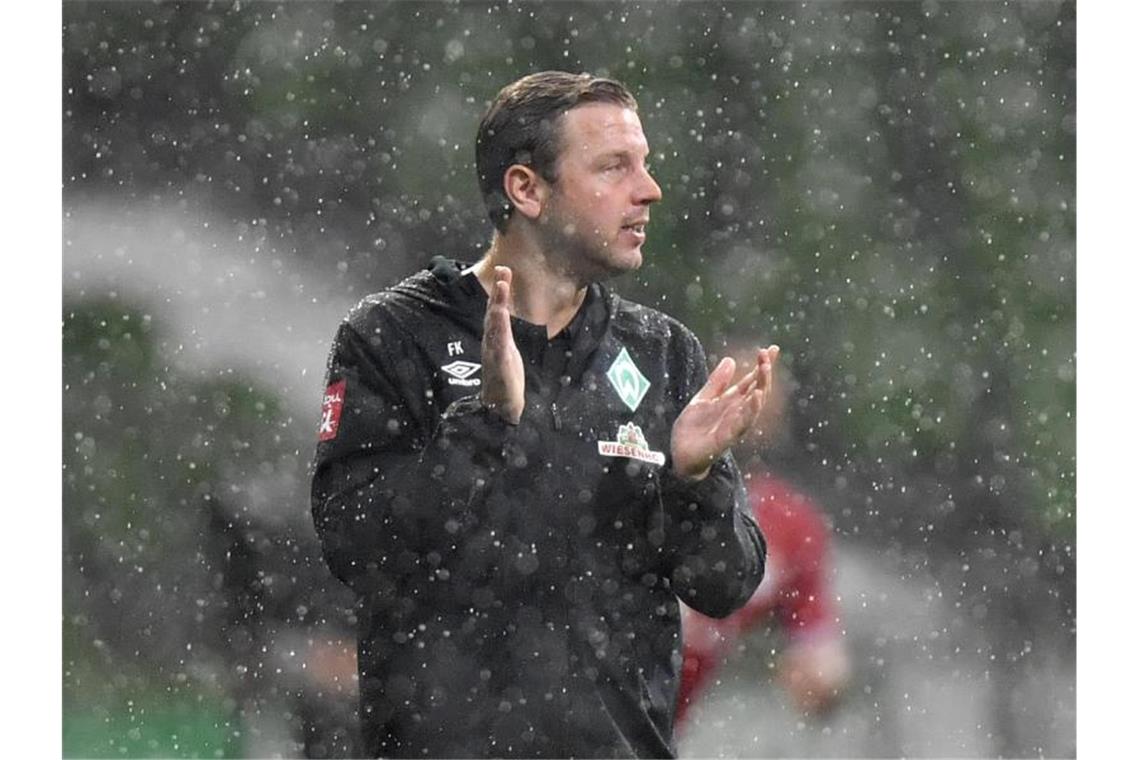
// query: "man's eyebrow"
[[621, 153]]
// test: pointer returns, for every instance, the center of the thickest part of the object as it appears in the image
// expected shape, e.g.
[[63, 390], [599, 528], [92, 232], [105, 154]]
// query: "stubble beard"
[[583, 253]]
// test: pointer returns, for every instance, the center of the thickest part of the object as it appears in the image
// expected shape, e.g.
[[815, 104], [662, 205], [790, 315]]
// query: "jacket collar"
[[584, 331]]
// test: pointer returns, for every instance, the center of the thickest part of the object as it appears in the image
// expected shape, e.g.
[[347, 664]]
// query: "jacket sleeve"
[[389, 481], [717, 551]]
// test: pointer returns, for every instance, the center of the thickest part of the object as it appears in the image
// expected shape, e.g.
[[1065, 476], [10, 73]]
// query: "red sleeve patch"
[[330, 410]]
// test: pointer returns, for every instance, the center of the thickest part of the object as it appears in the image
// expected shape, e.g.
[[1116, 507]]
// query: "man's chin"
[[606, 263], [628, 261]]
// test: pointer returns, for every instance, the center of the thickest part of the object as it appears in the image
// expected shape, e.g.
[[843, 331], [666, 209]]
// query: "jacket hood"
[[443, 288]]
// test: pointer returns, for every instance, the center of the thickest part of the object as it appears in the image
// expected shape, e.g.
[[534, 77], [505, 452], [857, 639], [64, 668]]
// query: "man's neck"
[[541, 292]]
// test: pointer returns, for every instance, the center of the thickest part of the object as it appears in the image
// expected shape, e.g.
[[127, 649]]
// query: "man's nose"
[[648, 191]]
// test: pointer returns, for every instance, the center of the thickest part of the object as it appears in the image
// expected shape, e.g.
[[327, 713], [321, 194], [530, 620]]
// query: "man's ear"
[[526, 190]]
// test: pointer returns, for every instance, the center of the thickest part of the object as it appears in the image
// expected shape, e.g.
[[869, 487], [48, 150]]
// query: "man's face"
[[599, 206]]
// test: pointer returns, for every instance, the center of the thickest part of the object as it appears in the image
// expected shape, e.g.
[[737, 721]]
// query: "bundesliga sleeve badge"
[[330, 410]]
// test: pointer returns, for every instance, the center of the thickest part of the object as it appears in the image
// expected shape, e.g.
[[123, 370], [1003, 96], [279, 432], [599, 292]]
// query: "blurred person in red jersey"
[[796, 593]]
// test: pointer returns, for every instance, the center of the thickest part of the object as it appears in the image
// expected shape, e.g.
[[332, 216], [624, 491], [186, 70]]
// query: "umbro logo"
[[461, 372]]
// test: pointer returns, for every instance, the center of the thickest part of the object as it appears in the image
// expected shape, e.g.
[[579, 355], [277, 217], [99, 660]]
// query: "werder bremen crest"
[[627, 380]]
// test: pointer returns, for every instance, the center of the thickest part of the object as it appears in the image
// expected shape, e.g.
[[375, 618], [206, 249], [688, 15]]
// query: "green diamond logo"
[[627, 380]]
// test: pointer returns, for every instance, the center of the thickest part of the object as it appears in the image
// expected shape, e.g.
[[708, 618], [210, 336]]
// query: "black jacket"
[[518, 585]]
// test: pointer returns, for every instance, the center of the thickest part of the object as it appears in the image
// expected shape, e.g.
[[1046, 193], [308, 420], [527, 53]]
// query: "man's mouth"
[[636, 226]]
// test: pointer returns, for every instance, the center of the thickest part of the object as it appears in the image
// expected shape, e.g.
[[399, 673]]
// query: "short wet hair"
[[521, 127]]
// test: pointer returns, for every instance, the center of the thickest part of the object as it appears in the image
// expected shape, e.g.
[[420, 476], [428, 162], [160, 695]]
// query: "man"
[[519, 472]]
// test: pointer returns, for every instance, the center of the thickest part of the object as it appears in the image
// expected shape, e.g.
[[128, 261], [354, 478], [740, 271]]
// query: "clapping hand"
[[721, 414]]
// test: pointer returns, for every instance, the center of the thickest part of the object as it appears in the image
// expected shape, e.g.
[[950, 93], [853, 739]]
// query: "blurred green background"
[[887, 190]]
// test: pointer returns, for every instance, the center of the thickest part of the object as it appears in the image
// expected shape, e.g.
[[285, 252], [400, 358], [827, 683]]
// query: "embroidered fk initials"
[[454, 348]]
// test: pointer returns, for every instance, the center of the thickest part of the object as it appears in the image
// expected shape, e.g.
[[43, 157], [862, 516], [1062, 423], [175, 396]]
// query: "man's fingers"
[[760, 375], [735, 419], [746, 383], [739, 418], [503, 277], [497, 322], [755, 403], [718, 381], [772, 353], [493, 323], [766, 364], [764, 375], [500, 297], [726, 413], [720, 385], [503, 378]]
